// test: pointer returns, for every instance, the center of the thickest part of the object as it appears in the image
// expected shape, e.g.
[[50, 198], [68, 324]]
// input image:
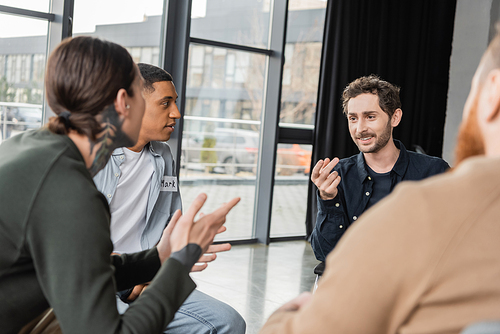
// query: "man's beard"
[[470, 141], [381, 141]]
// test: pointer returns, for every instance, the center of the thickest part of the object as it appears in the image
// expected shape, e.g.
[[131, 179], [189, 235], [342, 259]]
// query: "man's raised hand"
[[326, 182]]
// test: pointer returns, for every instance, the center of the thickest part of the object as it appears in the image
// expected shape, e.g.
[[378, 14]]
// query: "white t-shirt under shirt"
[[130, 201]]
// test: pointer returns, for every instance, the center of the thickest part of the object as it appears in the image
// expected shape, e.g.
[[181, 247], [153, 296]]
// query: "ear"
[[396, 117], [121, 103], [492, 95]]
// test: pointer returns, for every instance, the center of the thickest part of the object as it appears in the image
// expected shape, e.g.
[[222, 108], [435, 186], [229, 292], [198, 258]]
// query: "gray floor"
[[257, 279]]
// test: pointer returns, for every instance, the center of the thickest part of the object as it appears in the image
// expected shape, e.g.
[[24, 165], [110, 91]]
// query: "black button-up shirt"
[[355, 190]]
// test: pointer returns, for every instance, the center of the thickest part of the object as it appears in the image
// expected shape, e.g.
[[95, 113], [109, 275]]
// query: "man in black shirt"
[[348, 187]]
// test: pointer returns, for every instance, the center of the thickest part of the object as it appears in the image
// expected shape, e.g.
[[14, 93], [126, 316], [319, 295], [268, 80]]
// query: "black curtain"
[[407, 43]]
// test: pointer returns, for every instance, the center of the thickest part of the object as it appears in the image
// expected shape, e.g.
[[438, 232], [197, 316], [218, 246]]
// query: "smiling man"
[[373, 109], [141, 187]]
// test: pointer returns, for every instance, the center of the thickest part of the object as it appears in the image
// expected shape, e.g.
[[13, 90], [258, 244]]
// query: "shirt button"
[[367, 193], [121, 157], [116, 174], [109, 195], [341, 226], [369, 178], [354, 218], [337, 204]]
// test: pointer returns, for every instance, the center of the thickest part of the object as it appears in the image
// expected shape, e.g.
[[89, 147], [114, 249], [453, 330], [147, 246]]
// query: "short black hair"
[[152, 74]]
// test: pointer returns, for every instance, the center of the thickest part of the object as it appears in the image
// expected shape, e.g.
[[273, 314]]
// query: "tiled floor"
[[257, 279]]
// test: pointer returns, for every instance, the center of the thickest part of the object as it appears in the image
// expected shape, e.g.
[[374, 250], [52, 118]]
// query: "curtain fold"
[[407, 43]]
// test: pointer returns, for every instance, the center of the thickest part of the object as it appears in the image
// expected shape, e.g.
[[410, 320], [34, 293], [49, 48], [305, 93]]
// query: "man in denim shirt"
[[373, 109], [142, 190]]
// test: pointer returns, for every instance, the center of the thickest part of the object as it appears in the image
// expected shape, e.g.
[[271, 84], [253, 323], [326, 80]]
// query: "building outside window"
[[21, 77]]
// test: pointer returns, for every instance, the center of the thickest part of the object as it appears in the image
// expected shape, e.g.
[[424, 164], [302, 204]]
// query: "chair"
[[318, 270]]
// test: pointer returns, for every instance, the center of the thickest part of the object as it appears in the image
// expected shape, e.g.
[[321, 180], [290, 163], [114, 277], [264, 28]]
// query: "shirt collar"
[[403, 159], [399, 167], [119, 151], [150, 145], [361, 165]]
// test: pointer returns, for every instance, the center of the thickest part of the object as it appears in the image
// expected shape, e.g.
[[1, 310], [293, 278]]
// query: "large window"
[[298, 106], [243, 130], [224, 105], [22, 64]]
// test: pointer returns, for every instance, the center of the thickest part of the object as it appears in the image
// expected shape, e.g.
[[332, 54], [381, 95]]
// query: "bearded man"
[[348, 187], [426, 258]]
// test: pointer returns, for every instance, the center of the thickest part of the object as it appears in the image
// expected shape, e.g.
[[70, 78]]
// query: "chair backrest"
[[318, 270]]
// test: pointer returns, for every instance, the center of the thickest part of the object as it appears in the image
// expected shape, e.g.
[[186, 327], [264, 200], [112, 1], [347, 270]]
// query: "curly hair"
[[388, 94]]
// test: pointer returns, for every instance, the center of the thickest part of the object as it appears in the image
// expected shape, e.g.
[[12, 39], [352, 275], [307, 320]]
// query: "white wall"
[[470, 39]]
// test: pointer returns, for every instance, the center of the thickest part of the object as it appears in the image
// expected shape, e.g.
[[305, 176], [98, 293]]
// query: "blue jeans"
[[202, 314]]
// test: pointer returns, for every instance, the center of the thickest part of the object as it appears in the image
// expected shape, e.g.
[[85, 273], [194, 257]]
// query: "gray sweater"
[[55, 247]]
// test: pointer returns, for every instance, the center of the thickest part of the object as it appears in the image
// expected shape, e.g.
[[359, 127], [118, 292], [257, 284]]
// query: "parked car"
[[233, 150], [224, 150], [20, 116], [27, 117]]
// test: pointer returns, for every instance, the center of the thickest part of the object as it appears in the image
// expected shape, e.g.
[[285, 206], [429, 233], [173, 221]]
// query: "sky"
[[87, 14]]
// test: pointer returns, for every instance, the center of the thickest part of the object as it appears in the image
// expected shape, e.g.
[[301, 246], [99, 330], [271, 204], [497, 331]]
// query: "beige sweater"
[[426, 259]]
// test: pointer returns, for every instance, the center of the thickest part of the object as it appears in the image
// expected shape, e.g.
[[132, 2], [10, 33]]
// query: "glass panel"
[[237, 21], [23, 45], [221, 138], [36, 5], [290, 190], [302, 61], [136, 25]]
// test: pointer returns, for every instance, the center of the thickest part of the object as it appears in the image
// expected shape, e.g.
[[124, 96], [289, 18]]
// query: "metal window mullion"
[[58, 29], [27, 13], [231, 46], [269, 129], [175, 61]]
